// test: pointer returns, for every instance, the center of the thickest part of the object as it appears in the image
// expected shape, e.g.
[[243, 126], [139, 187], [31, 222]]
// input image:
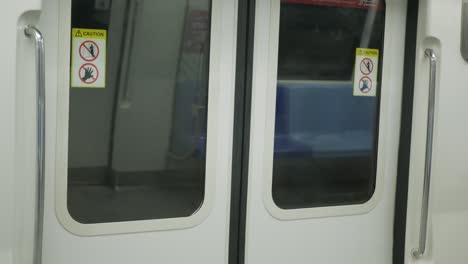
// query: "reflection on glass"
[[137, 146], [325, 138]]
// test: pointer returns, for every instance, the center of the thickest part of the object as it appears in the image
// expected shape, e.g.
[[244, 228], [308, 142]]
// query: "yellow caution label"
[[88, 67], [89, 33], [366, 72], [367, 52]]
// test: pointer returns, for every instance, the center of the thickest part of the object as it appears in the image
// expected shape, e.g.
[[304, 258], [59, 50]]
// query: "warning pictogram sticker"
[[367, 66], [88, 73], [365, 85], [78, 34], [89, 50], [365, 72], [88, 58]]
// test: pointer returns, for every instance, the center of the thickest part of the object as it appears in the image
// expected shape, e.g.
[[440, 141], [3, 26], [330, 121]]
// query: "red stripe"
[[363, 4]]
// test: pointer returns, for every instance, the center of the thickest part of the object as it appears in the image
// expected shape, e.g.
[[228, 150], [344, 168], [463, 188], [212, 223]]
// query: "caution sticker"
[[365, 72], [88, 58]]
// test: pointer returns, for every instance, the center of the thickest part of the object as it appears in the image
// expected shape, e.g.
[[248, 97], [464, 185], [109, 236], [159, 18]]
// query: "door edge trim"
[[401, 197]]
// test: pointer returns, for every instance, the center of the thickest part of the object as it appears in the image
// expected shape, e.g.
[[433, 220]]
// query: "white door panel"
[[447, 221], [16, 54], [19, 177], [343, 234], [183, 240]]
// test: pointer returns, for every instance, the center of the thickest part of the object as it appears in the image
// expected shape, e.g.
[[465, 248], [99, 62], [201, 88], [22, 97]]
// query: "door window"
[[325, 151], [137, 141]]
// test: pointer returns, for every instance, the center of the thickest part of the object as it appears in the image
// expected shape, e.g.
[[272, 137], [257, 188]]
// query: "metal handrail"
[[421, 251], [36, 35], [129, 35]]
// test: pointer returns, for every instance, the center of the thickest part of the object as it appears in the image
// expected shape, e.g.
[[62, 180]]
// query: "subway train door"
[[139, 121], [326, 103], [437, 213]]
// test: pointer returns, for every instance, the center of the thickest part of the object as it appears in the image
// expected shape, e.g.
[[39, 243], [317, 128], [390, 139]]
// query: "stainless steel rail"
[[129, 35], [36, 35], [421, 251], [464, 30]]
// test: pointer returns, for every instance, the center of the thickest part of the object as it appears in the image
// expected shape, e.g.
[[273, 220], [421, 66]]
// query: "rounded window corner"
[[66, 220], [273, 208], [371, 195]]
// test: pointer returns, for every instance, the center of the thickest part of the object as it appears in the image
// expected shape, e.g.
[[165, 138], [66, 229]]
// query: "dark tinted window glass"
[[137, 146], [325, 136]]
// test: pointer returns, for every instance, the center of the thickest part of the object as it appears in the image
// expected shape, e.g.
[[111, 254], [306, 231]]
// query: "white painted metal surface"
[[346, 235], [213, 152], [439, 29], [14, 16], [207, 242], [362, 234]]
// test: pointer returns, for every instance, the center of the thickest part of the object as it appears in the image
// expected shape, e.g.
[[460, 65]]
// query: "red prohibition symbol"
[[367, 66], [89, 51], [88, 73], [365, 84]]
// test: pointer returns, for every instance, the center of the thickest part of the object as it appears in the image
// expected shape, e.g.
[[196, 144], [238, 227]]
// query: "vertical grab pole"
[[421, 251], [129, 34], [36, 35]]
